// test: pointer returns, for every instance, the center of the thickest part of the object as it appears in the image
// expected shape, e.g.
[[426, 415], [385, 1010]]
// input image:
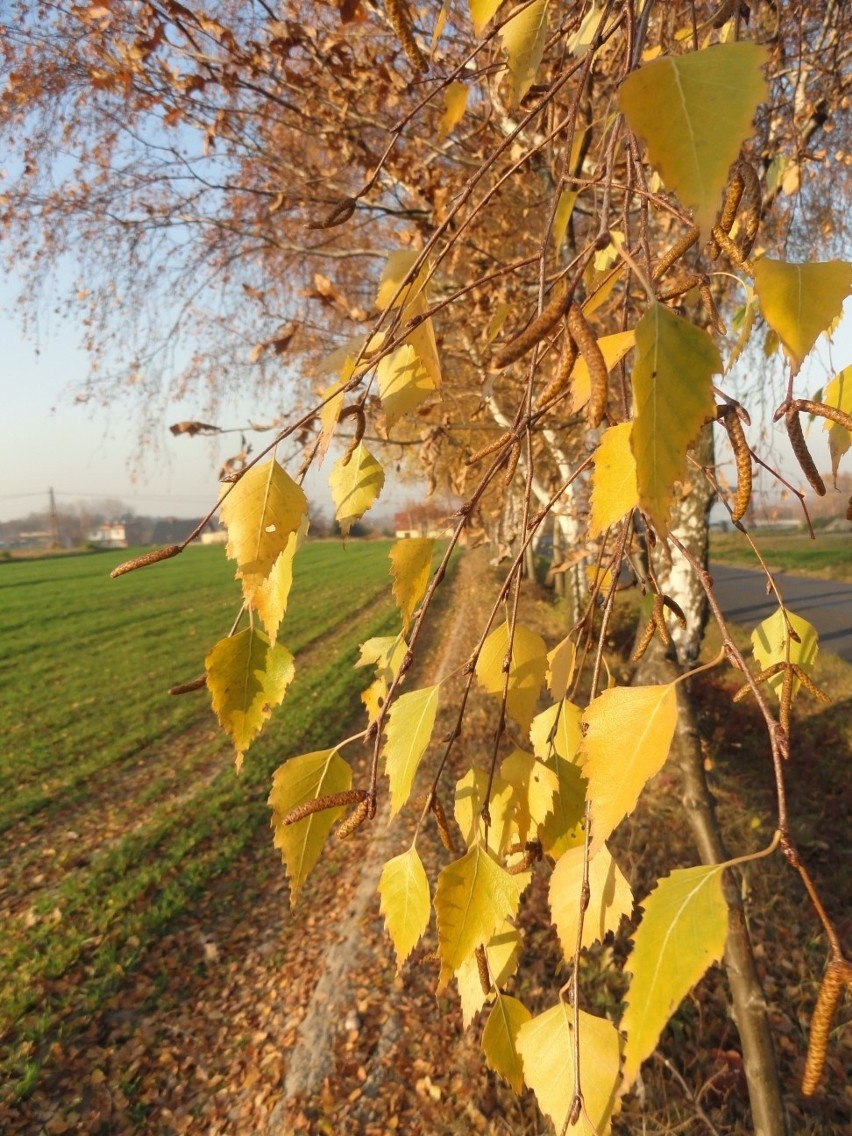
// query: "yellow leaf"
[[527, 670], [607, 256], [440, 24], [613, 348], [270, 599], [495, 323], [600, 288], [297, 781], [397, 268], [500, 1036], [546, 1046], [743, 322], [481, 12], [422, 340], [502, 954], [800, 301], [330, 413], [373, 698], [260, 513], [769, 644], [386, 653], [610, 898], [534, 786], [411, 565], [771, 344], [455, 101], [694, 112], [614, 489], [673, 396], [630, 730], [470, 797], [682, 932], [838, 394], [564, 209], [403, 382], [410, 722], [580, 42], [474, 897], [600, 579], [247, 677], [563, 828], [355, 485], [405, 902], [341, 361], [561, 662], [557, 730], [523, 38]]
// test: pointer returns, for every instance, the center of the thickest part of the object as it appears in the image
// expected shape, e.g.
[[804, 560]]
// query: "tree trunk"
[[676, 579], [749, 1005]]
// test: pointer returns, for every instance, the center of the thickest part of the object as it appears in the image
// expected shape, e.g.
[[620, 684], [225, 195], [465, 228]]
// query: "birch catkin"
[[675, 253], [489, 448], [585, 339], [354, 821], [808, 406], [800, 449], [660, 620], [836, 976], [562, 375], [482, 968], [400, 18], [809, 684], [516, 348], [733, 197], [188, 687], [320, 804], [644, 641], [512, 464], [752, 204], [763, 676], [147, 558], [742, 455]]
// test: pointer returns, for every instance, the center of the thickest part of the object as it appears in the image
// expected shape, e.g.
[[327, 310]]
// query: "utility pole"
[[54, 521]]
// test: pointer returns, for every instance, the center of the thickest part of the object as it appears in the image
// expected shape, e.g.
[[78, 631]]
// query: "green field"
[[829, 556], [119, 802]]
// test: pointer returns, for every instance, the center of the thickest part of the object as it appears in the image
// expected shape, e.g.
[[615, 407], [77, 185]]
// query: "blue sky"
[[85, 452]]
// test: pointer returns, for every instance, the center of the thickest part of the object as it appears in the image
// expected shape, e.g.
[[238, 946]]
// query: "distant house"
[[112, 535], [416, 522], [35, 538], [215, 536]]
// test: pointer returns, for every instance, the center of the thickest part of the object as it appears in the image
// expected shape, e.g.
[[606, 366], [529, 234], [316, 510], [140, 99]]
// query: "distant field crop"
[[828, 556], [118, 801]]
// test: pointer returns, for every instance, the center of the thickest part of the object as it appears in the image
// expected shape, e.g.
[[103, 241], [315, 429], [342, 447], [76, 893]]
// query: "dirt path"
[[369, 1048]]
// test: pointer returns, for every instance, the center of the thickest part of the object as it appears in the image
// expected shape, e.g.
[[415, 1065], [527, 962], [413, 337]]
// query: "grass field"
[[829, 556], [118, 802]]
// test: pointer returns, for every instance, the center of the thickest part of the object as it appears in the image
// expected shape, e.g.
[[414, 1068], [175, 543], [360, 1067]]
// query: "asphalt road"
[[824, 603]]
